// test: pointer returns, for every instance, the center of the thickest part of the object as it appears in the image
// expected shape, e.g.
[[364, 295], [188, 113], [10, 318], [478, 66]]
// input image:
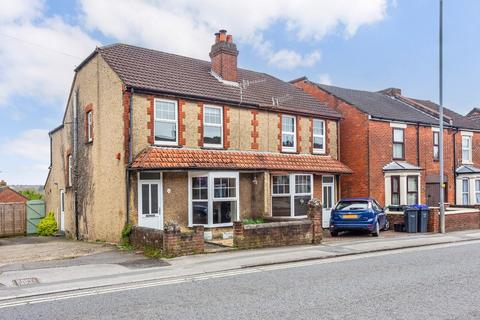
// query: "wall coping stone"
[[277, 224]]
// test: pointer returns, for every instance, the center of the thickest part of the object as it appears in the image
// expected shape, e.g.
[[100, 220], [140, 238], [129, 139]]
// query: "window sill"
[[220, 225], [156, 144], [89, 142], [321, 153], [211, 147], [290, 151]]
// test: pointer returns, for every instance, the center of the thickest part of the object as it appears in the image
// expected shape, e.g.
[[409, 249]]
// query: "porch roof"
[[175, 158]]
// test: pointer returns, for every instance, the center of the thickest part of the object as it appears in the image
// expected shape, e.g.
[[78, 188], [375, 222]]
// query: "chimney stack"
[[223, 56], [3, 183], [394, 92]]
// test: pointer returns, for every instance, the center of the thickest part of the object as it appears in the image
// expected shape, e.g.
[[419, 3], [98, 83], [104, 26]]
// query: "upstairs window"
[[466, 149], [289, 136], [213, 127], [436, 150], [166, 122], [89, 126], [398, 144], [318, 136]]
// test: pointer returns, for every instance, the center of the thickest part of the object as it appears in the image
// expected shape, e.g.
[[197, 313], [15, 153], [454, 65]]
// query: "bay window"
[[290, 194], [412, 190], [398, 144], [213, 126], [465, 192], [166, 117], [477, 191], [289, 136], [395, 180], [318, 136], [213, 198]]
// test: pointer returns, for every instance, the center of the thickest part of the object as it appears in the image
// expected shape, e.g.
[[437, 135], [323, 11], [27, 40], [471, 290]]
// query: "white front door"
[[328, 186], [150, 213], [62, 210]]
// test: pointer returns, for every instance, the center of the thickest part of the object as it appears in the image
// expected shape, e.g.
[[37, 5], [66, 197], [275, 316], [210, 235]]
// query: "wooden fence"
[[12, 219]]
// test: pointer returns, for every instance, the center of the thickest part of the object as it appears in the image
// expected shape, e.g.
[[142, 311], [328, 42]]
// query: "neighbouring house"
[[8, 195], [391, 142], [148, 137]]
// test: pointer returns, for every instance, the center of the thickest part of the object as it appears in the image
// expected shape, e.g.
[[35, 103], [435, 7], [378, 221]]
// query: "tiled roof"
[[465, 169], [380, 105], [9, 195], [459, 120], [474, 115], [156, 71], [400, 166], [174, 158]]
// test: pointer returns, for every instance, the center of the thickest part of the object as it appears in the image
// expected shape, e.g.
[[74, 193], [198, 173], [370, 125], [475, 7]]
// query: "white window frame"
[[89, 126], [467, 192], [469, 149], [205, 124], [155, 120], [294, 133], [211, 177], [291, 192], [477, 190], [70, 170], [316, 150]]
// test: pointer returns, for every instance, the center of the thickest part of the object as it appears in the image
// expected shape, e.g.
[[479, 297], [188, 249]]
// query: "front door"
[[328, 186], [150, 200], [433, 194], [62, 210]]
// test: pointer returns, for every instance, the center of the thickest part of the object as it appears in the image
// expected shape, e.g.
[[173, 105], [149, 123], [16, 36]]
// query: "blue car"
[[358, 214]]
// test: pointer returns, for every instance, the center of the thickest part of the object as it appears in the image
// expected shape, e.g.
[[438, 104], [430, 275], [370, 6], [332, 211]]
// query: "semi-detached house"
[[391, 142], [148, 137]]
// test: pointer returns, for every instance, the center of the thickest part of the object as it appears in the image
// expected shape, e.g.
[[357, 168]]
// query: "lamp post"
[[442, 184]]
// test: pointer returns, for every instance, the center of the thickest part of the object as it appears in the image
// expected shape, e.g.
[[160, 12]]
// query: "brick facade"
[[255, 134], [181, 122], [151, 121], [226, 129], [200, 124]]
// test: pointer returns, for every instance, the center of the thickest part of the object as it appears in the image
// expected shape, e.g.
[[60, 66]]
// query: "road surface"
[[424, 283]]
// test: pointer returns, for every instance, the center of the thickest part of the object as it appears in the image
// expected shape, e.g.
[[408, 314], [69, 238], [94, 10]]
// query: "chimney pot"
[[223, 35], [229, 38], [3, 183], [217, 37]]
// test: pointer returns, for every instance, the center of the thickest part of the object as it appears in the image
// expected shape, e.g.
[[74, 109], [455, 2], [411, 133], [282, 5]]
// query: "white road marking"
[[223, 274]]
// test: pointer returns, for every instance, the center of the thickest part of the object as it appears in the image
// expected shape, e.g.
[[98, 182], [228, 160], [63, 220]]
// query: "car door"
[[381, 216]]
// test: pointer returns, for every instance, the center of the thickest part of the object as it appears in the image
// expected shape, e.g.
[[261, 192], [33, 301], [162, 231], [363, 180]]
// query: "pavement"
[[117, 268], [429, 282]]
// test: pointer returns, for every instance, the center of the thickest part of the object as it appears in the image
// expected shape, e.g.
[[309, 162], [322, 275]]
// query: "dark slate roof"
[[400, 166], [167, 73], [459, 120], [474, 115], [465, 169], [380, 105]]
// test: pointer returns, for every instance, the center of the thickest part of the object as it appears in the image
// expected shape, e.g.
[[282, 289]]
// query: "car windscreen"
[[352, 205]]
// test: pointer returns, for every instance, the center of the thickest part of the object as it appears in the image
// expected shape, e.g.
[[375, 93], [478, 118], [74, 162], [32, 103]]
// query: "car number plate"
[[350, 216]]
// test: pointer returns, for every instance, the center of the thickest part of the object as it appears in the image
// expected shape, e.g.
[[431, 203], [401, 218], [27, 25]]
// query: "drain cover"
[[25, 282]]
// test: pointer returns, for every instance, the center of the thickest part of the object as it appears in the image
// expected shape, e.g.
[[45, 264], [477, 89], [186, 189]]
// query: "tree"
[[32, 194]]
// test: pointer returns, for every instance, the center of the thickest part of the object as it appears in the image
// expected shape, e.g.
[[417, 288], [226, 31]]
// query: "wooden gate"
[[12, 219], [433, 194], [35, 213]]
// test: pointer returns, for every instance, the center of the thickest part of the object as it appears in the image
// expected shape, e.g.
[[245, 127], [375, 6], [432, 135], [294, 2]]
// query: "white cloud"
[[288, 59], [186, 27], [324, 78], [31, 144], [38, 55], [22, 10]]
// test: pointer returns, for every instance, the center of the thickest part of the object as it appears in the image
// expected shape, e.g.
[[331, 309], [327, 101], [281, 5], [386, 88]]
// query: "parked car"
[[358, 214]]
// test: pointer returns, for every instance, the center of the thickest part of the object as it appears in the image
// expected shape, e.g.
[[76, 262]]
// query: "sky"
[[360, 44]]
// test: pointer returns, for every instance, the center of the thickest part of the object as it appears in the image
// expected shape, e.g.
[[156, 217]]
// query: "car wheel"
[[334, 233], [376, 232], [387, 226]]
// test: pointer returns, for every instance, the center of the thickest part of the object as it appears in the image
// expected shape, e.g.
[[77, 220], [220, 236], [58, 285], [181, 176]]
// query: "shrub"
[[32, 194], [253, 221], [47, 226], [125, 241]]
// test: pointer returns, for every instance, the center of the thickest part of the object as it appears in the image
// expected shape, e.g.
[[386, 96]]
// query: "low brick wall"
[[170, 243], [275, 234], [463, 220], [184, 243]]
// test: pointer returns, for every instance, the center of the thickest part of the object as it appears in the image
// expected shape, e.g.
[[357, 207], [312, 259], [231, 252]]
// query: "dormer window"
[[289, 136], [166, 118]]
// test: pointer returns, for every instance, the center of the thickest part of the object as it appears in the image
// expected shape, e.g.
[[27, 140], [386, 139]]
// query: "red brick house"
[[391, 143]]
